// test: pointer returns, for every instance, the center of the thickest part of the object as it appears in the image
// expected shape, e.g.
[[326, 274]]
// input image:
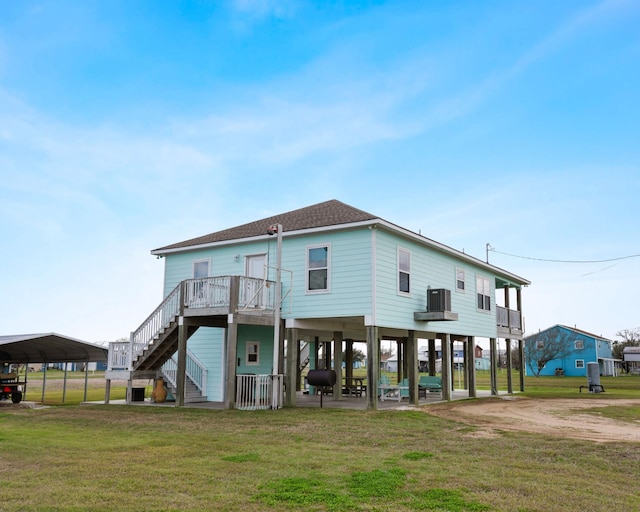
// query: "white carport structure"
[[49, 348], [631, 357]]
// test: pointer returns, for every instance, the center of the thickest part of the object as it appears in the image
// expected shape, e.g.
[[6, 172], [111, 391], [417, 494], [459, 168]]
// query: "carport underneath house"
[[47, 348]]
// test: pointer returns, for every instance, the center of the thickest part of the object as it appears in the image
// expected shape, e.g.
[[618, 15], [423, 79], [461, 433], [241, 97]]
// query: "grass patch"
[[246, 457], [305, 493], [445, 500], [417, 455], [377, 483], [119, 458]]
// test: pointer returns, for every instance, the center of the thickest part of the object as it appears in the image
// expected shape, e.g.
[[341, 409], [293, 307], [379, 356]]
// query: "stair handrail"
[[196, 372], [161, 317], [304, 355]]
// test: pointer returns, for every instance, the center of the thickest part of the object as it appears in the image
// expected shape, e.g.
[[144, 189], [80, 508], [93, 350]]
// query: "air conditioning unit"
[[438, 299]]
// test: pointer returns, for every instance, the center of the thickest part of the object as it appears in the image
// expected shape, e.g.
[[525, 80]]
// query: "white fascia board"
[[285, 234]]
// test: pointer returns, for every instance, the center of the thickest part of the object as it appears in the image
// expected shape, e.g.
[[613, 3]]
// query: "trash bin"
[[137, 394]]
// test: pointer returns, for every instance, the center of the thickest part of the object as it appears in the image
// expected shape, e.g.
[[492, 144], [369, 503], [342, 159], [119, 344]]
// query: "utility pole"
[[275, 389]]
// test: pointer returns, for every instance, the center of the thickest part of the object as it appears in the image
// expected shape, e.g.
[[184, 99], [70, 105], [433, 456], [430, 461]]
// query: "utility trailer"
[[11, 387]]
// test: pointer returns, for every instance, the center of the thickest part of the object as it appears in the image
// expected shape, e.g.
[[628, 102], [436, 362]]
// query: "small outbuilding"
[[47, 348], [631, 357]]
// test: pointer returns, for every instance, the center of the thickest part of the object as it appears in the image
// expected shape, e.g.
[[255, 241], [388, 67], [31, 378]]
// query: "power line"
[[489, 248]]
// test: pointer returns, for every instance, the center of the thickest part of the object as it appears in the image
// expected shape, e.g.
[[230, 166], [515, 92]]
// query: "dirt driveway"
[[557, 417]]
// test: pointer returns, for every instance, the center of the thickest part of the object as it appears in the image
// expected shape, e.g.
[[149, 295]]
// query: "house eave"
[[285, 234]]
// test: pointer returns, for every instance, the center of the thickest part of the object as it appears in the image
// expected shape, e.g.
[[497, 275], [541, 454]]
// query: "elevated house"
[[246, 308], [576, 348]]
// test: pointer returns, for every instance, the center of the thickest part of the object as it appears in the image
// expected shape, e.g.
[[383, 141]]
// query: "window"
[[404, 271], [460, 280], [578, 344], [539, 344], [483, 291], [201, 268], [253, 353], [579, 363], [318, 268]]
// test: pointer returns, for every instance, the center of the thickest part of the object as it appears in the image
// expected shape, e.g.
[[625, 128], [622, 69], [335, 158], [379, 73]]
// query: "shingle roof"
[[328, 213]]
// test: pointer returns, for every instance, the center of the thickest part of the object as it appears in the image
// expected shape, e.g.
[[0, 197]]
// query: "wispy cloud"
[[463, 101]]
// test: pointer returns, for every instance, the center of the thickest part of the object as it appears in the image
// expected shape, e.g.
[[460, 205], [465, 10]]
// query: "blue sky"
[[126, 126]]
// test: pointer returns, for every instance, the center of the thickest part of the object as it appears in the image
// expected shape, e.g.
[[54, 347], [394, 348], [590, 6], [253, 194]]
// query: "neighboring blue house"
[[582, 348], [346, 276]]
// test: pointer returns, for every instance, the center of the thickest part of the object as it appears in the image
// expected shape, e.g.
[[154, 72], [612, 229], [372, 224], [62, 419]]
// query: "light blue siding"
[[262, 335], [429, 268], [208, 345], [350, 276]]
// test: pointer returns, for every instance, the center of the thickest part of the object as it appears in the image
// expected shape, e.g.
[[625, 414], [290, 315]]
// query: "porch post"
[[337, 360], [520, 341], [373, 366], [522, 364], [493, 366], [471, 368], [130, 368], [348, 361], [412, 366], [293, 354], [445, 340], [232, 354], [432, 357], [181, 371], [509, 377], [401, 360], [107, 391], [316, 352]]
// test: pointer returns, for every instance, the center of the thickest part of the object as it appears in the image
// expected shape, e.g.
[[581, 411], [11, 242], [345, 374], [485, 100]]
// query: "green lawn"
[[129, 458]]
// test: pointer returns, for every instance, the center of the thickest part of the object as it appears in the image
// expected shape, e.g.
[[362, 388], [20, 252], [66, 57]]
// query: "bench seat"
[[429, 384]]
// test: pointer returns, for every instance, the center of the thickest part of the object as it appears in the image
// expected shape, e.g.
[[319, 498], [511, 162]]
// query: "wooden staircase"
[[191, 394], [161, 348]]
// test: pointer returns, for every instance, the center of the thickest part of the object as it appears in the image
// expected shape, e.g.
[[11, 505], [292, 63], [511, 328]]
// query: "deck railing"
[[508, 318], [216, 292], [247, 293], [196, 372], [259, 392], [207, 292], [118, 355]]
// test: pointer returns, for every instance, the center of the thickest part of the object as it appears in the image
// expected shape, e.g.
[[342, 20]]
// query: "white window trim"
[[464, 280], [578, 344], [201, 260], [249, 345], [491, 301], [307, 269], [580, 361], [398, 270]]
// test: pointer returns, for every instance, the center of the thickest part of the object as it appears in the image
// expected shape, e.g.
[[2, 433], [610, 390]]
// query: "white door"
[[255, 267]]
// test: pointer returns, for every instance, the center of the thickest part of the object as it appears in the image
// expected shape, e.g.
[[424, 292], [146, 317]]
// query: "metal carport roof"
[[48, 348]]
